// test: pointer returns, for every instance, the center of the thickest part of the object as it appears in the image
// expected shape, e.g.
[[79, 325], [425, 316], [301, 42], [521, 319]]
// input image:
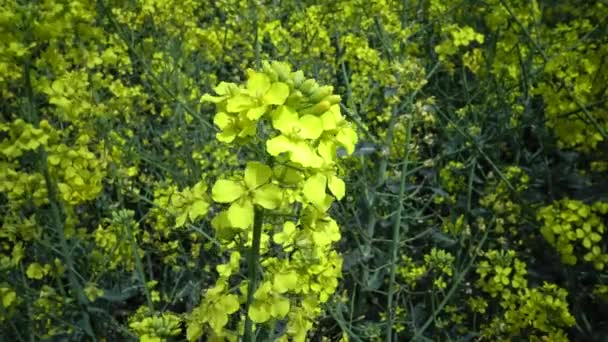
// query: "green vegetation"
[[350, 170]]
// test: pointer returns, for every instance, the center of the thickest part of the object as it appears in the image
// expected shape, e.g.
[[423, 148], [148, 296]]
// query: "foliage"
[[303, 170]]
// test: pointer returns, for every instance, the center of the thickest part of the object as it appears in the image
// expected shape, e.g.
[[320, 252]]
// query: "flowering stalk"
[[252, 264], [298, 128]]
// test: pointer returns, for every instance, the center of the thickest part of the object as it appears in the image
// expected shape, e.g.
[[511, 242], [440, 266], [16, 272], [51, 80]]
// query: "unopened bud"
[[320, 93], [318, 109], [298, 78], [269, 71], [309, 86], [333, 99], [283, 70]]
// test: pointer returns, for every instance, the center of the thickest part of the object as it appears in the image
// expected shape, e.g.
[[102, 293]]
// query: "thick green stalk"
[[256, 39], [252, 264], [56, 208], [139, 267], [58, 224], [396, 234]]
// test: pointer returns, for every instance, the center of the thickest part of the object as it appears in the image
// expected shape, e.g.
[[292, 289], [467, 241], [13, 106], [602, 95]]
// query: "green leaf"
[[240, 214], [226, 191], [119, 296], [443, 239], [257, 174], [314, 190], [277, 94]]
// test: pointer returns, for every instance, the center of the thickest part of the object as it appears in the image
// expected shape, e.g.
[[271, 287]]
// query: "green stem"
[[371, 197], [252, 265], [567, 85], [148, 70], [139, 267], [459, 278], [56, 208], [396, 234], [256, 39]]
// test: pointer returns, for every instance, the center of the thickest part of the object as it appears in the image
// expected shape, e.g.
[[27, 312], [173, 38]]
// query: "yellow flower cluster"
[[301, 129], [576, 229], [540, 312], [499, 198]]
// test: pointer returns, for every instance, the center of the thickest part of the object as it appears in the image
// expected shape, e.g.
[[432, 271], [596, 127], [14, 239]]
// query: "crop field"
[[304, 170]]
